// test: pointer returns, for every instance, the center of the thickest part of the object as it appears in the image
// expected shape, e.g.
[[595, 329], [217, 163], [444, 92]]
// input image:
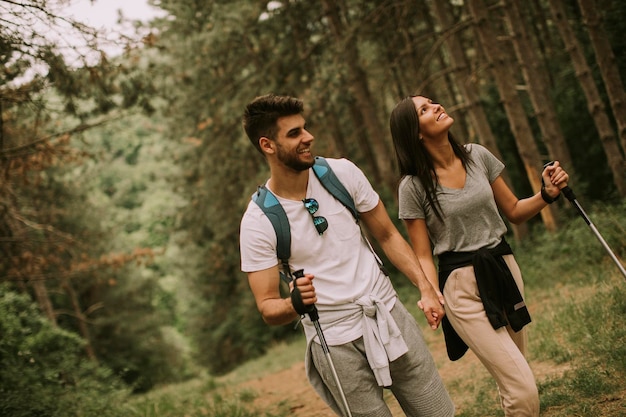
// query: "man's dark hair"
[[261, 115]]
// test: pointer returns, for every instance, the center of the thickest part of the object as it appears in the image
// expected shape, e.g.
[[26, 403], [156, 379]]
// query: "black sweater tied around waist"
[[498, 291]]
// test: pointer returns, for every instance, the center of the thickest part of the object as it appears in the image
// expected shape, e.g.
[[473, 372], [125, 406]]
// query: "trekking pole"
[[569, 194], [315, 319]]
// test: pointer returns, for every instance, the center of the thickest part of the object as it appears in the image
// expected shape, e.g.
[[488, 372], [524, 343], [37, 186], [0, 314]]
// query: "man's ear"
[[267, 145]]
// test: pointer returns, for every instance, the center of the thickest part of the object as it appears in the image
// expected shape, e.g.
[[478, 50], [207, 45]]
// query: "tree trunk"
[[607, 65], [505, 83], [467, 88], [543, 36], [338, 142], [403, 63], [536, 79], [449, 93], [357, 83], [80, 317], [43, 300], [594, 101]]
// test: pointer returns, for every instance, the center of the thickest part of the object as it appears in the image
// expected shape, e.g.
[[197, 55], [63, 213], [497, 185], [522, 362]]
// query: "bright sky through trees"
[[117, 22], [105, 13]]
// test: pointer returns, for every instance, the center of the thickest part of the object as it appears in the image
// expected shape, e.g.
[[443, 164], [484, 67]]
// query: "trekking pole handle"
[[311, 310], [561, 187], [569, 194]]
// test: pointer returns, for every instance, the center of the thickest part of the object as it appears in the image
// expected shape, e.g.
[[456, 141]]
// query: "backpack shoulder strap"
[[277, 216], [332, 184]]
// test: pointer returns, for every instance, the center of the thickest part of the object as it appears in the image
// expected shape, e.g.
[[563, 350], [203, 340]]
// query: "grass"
[[280, 356], [577, 339], [201, 397], [217, 397]]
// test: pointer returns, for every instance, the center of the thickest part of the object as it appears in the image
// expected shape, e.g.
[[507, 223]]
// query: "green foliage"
[[198, 397], [132, 339], [572, 244], [174, 185], [588, 157], [592, 327], [44, 371], [234, 331], [612, 14], [137, 329], [59, 237]]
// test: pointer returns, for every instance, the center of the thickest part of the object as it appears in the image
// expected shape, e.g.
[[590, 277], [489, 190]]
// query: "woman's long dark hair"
[[411, 154]]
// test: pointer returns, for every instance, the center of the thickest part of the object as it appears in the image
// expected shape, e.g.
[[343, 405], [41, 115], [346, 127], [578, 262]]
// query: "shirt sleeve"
[[493, 166], [352, 177], [257, 240], [409, 206]]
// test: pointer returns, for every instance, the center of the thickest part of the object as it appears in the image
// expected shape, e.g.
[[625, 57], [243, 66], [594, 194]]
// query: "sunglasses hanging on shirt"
[[312, 206]]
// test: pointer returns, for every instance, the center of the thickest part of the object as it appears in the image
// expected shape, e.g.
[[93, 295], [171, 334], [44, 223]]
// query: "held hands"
[[553, 179], [303, 299], [432, 306]]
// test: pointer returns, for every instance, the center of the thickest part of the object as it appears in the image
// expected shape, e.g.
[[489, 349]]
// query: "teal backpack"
[[277, 216]]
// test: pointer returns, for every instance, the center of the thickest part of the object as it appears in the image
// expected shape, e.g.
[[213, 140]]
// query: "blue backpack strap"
[[329, 180], [277, 216], [332, 184]]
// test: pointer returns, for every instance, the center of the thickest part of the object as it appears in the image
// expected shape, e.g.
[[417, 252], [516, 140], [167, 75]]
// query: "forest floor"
[[290, 386], [464, 380]]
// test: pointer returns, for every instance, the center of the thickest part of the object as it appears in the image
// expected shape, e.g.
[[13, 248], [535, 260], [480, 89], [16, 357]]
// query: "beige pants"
[[500, 350]]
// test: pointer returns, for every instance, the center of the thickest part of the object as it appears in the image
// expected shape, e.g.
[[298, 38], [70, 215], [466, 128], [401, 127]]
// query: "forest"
[[124, 176]]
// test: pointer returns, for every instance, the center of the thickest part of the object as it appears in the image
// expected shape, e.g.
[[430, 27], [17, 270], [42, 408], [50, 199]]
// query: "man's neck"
[[289, 184]]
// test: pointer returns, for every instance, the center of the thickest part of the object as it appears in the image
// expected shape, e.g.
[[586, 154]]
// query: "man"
[[374, 341]]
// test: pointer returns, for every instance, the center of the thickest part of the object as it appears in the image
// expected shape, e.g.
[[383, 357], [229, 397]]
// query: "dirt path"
[[291, 387]]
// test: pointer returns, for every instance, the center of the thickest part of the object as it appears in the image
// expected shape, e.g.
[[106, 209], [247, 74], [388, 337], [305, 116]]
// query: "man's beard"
[[291, 160]]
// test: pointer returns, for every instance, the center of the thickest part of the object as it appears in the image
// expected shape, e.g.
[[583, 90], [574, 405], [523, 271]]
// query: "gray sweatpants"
[[416, 382]]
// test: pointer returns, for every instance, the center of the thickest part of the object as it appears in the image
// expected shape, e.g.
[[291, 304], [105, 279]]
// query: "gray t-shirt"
[[470, 215]]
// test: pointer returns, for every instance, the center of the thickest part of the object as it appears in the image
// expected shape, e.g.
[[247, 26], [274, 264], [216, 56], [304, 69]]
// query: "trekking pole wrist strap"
[[546, 197]]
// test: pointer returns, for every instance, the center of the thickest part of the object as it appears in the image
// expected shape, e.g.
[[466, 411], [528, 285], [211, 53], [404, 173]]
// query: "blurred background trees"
[[124, 177]]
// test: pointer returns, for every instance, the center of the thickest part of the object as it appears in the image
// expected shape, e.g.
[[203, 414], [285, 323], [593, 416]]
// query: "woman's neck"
[[442, 154]]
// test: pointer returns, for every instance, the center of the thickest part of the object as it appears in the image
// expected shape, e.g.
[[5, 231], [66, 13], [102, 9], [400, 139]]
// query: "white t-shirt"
[[344, 267]]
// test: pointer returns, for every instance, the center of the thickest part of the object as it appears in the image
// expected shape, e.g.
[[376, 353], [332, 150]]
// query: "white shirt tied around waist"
[[371, 313], [382, 338]]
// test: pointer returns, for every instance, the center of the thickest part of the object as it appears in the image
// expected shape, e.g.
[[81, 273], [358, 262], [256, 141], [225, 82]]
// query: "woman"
[[449, 198]]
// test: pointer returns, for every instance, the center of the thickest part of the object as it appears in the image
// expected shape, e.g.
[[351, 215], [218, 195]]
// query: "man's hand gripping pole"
[[311, 310]]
